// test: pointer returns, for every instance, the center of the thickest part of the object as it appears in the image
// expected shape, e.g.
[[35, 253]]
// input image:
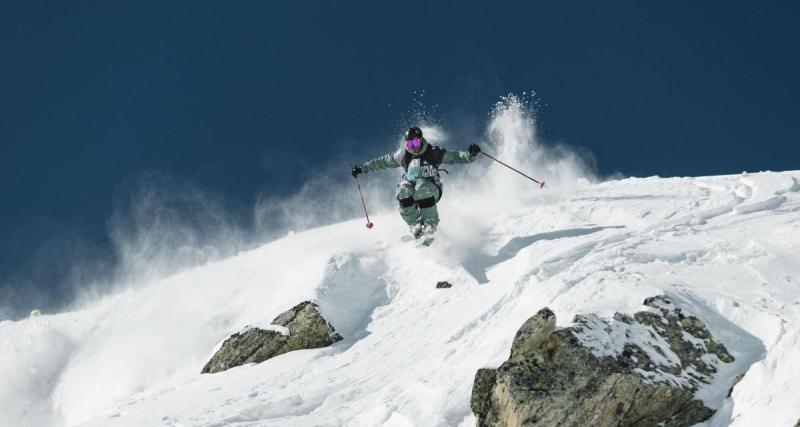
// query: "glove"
[[356, 170], [474, 150]]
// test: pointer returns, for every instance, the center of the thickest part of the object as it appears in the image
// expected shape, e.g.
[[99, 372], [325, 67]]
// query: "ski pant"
[[418, 202]]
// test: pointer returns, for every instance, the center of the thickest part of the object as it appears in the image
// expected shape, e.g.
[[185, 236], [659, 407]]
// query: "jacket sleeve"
[[388, 161], [457, 157]]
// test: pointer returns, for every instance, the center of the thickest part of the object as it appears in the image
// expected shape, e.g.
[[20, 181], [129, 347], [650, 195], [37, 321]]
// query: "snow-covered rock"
[[305, 328], [630, 370]]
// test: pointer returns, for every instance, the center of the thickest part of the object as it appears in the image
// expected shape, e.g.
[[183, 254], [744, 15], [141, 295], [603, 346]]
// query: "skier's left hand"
[[474, 150], [356, 170]]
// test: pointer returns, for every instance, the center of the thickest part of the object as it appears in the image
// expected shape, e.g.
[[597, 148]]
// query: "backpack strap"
[[434, 156], [407, 157]]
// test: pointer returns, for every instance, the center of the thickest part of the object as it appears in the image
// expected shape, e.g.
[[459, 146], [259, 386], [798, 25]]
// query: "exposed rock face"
[[640, 370], [307, 329], [443, 285]]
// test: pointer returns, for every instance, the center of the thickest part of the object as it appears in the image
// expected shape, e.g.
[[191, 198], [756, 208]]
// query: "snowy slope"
[[726, 248]]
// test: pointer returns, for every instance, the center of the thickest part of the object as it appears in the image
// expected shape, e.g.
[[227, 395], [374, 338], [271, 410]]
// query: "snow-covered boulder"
[[643, 369], [305, 328]]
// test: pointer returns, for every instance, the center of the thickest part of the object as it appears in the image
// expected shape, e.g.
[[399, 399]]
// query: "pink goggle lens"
[[414, 144]]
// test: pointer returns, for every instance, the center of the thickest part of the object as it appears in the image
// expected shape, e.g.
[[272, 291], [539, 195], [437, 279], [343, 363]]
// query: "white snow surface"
[[725, 248]]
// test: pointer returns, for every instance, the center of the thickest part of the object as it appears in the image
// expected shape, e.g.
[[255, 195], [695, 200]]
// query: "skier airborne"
[[421, 187]]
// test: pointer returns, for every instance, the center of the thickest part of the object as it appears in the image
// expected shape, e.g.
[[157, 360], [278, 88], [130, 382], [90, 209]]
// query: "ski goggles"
[[414, 144]]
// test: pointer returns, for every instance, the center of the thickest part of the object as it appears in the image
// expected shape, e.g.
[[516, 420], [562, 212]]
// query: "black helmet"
[[413, 133]]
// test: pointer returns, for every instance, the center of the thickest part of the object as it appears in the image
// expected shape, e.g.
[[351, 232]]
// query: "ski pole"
[[541, 183], [369, 224]]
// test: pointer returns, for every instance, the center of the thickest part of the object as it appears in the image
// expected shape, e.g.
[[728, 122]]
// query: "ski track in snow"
[[724, 248]]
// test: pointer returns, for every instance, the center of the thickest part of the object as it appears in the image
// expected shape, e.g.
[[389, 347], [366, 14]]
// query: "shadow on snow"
[[478, 266]]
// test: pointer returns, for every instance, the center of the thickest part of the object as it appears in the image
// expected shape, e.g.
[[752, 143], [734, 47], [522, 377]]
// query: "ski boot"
[[418, 229], [428, 235]]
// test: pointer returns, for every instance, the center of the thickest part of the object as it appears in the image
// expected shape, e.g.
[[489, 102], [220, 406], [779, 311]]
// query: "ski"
[[420, 241]]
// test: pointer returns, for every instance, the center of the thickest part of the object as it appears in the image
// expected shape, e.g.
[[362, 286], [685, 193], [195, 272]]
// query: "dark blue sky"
[[242, 98]]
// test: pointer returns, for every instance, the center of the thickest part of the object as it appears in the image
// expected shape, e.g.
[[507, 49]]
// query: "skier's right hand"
[[356, 170], [474, 149]]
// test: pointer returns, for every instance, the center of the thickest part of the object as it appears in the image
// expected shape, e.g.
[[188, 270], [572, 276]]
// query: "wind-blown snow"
[[726, 249]]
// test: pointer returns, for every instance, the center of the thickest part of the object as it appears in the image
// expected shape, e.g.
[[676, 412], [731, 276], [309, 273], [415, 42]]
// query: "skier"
[[421, 187]]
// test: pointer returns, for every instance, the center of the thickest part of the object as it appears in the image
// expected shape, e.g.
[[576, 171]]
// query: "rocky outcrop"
[[443, 285], [639, 370], [306, 329]]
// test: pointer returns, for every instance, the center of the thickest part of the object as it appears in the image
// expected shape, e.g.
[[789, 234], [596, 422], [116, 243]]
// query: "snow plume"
[[512, 135], [162, 225], [478, 193], [330, 196]]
